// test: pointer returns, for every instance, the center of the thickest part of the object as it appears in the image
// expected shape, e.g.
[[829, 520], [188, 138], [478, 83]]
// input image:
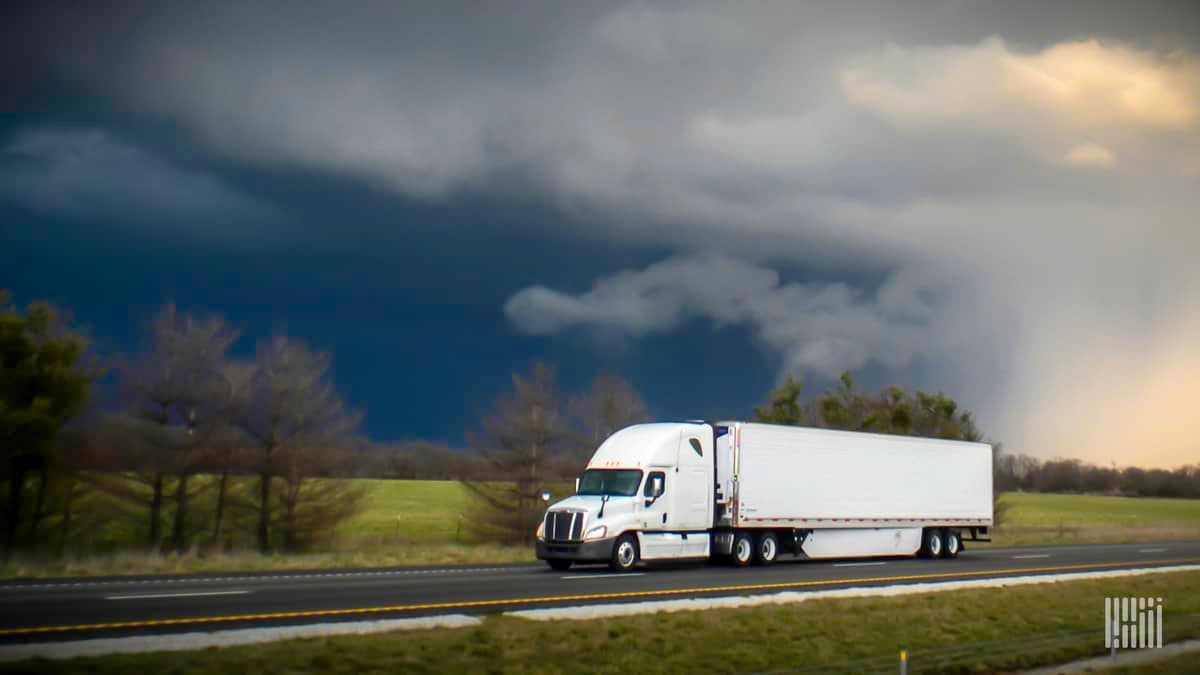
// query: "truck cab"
[[647, 493]]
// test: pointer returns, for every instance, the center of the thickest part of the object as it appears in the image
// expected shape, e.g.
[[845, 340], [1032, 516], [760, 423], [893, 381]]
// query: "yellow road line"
[[468, 604]]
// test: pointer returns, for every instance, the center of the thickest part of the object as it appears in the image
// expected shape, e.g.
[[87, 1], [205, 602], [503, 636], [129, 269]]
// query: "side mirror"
[[656, 489], [546, 496], [577, 485]]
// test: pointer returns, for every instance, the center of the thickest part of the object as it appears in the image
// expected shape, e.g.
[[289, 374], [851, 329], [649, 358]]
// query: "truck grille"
[[564, 526]]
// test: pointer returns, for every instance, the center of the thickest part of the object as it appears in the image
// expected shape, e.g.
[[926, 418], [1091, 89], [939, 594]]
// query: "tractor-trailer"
[[748, 493]]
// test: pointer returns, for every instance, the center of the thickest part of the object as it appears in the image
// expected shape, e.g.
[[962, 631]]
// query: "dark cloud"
[[1019, 155]]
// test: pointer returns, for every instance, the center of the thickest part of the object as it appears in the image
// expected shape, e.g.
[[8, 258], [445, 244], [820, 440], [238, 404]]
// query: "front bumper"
[[599, 550]]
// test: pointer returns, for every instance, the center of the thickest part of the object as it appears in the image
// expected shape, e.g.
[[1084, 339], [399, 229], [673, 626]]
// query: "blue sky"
[[975, 197]]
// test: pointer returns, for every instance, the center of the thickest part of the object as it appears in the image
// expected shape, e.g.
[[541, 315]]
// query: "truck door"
[[691, 506], [656, 538]]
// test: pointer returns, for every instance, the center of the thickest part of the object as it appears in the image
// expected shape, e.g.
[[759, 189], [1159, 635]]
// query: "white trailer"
[[749, 492]]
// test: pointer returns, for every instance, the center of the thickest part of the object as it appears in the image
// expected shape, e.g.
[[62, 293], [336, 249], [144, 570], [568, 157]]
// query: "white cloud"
[[768, 133], [821, 327], [1091, 155], [1084, 83], [89, 174]]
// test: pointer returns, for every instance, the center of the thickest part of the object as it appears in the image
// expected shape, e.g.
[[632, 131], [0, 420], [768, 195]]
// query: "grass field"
[[422, 523], [981, 630], [1041, 519]]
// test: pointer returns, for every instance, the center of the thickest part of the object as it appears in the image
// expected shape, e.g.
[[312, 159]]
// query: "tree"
[[516, 443], [610, 404], [225, 451], [43, 384], [180, 397], [292, 413], [847, 407], [784, 405]]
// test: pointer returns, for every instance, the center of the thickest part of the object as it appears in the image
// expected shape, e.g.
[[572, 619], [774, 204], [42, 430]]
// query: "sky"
[[994, 200]]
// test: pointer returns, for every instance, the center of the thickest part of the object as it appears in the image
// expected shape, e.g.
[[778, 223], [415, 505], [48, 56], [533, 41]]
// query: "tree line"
[[191, 430], [1029, 474], [201, 449]]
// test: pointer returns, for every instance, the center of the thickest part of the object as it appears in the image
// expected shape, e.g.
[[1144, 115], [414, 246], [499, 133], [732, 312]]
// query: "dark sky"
[[992, 199]]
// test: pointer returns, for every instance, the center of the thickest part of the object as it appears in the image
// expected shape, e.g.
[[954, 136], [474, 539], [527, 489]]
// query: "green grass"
[[979, 630], [1044, 519], [422, 523], [410, 511]]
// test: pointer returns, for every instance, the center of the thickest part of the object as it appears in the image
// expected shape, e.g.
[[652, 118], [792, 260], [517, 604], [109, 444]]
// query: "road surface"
[[38, 611]]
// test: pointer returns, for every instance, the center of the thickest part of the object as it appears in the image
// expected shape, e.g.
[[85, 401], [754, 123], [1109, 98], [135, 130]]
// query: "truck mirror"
[[658, 486], [577, 484]]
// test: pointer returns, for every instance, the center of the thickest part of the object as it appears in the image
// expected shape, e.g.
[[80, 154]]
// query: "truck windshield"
[[617, 482]]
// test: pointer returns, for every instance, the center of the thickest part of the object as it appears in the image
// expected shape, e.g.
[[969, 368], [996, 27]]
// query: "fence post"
[[903, 662]]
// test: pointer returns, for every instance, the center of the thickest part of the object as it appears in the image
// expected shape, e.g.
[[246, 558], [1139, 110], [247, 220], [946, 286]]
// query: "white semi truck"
[[749, 493]]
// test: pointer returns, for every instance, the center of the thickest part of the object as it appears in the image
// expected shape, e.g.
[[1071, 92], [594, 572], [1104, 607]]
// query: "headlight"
[[541, 531], [597, 532]]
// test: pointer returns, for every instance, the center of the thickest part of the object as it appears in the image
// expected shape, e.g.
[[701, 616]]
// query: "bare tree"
[[226, 450], [526, 430], [180, 399], [610, 404], [291, 411]]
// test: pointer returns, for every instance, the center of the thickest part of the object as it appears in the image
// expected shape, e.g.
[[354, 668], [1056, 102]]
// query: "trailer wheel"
[[559, 565], [767, 549], [931, 546], [951, 544], [625, 553], [743, 549]]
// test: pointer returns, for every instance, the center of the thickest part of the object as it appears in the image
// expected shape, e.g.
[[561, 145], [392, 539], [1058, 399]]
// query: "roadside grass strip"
[[588, 612]]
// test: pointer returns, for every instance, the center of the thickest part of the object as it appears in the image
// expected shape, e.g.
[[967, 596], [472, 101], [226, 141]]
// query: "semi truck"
[[749, 493]]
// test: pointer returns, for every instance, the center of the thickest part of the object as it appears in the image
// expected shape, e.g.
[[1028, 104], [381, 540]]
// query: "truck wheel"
[[767, 549], [625, 553], [931, 546], [743, 549], [559, 565], [951, 544]]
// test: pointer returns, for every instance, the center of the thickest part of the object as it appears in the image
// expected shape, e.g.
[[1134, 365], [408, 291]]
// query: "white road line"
[[1027, 557], [601, 576], [1151, 550], [862, 564], [173, 595]]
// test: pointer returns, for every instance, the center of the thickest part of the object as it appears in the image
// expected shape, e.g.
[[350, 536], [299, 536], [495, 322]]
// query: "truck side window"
[[648, 491], [695, 442]]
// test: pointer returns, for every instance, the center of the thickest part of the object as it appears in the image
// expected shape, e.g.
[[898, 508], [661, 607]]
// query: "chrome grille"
[[564, 526]]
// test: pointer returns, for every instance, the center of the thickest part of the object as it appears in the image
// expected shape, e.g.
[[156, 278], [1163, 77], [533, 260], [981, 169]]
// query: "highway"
[[46, 610]]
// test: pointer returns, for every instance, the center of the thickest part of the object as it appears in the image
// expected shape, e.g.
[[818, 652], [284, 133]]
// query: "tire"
[[743, 549], [625, 553], [559, 565], [931, 544], [766, 549], [951, 543]]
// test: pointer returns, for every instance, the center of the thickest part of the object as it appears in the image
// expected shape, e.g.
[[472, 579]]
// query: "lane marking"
[[1027, 557], [601, 576], [862, 564], [145, 596], [1151, 550], [30, 630]]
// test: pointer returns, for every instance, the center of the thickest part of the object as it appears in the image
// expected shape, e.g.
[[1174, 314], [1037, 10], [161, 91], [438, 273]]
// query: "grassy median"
[[950, 632]]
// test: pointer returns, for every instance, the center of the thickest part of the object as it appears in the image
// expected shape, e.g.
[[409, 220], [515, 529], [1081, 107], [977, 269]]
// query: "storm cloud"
[[1034, 172]]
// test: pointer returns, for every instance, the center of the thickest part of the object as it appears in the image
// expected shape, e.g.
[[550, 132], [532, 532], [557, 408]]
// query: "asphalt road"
[[70, 608]]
